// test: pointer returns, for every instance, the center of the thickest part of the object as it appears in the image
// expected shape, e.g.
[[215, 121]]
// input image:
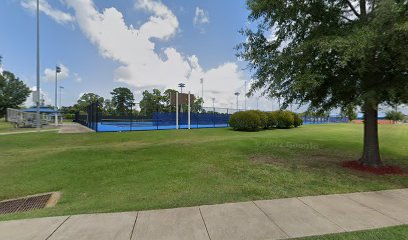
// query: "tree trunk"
[[371, 153]]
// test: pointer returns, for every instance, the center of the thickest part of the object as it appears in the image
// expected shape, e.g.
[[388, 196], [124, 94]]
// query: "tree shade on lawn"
[[331, 54]]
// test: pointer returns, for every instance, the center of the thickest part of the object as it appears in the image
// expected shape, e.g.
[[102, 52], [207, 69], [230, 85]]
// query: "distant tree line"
[[123, 103]]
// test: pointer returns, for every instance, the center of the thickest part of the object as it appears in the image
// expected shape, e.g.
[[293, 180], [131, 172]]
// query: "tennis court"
[[117, 125]]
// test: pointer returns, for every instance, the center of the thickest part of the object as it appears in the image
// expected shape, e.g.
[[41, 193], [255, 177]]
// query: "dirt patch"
[[308, 160], [382, 170]]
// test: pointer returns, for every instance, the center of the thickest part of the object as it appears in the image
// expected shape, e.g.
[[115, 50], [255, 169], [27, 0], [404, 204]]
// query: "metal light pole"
[[60, 91], [213, 100], [57, 70], [202, 91], [257, 103], [37, 116], [237, 94], [245, 96]]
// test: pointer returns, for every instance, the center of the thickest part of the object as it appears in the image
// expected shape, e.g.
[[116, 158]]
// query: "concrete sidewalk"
[[269, 219], [74, 128]]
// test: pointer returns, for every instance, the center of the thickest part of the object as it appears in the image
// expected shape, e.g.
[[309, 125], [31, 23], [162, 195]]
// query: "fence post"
[[96, 116], [189, 110], [214, 117], [177, 115], [131, 116]]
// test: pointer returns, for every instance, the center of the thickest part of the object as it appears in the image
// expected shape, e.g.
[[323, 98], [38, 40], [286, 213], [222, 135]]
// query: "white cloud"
[[58, 15], [44, 96], [77, 77], [201, 16], [49, 73], [135, 49]]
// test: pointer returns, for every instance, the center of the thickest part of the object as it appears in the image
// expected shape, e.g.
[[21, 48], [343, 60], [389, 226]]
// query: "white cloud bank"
[[58, 15], [49, 73], [142, 65]]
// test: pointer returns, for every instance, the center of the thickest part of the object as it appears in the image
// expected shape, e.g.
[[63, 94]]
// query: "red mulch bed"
[[356, 165]]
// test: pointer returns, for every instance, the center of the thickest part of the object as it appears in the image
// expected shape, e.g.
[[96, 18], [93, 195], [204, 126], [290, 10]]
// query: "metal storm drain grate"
[[29, 203]]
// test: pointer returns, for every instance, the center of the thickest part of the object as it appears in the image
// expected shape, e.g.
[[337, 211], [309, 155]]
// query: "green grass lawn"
[[391, 233], [106, 172], [6, 127]]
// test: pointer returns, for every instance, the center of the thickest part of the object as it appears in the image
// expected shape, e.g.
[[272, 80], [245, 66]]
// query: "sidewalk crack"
[[134, 226], [205, 225], [270, 219], [57, 228], [320, 214], [364, 205]]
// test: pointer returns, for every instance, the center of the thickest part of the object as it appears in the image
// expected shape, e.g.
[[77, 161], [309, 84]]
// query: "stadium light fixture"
[[237, 94], [181, 86]]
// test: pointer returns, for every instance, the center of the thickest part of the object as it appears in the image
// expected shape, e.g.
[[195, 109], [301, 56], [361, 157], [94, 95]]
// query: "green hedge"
[[285, 119], [245, 121], [297, 120], [68, 116], [253, 120], [273, 119], [263, 117]]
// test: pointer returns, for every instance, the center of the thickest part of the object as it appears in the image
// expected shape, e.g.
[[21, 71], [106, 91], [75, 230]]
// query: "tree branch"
[[346, 18], [352, 8]]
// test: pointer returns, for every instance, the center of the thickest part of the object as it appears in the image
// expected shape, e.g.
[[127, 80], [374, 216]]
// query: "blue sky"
[[139, 44], [205, 35]]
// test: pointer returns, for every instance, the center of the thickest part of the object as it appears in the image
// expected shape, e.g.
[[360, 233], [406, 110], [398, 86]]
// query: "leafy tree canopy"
[[13, 92], [122, 99], [329, 54], [86, 99], [394, 116]]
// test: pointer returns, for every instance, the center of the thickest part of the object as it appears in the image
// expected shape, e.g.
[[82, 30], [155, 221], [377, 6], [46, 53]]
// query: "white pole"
[[245, 97], [56, 97], [189, 109], [177, 124], [37, 115]]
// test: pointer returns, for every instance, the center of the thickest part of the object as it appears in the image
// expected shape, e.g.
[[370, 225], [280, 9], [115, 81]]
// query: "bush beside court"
[[255, 120]]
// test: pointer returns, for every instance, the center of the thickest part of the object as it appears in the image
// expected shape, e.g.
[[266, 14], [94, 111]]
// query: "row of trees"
[[123, 103]]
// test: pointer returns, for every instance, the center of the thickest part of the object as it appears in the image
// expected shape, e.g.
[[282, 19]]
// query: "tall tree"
[[13, 92], [122, 100], [394, 116], [330, 54], [108, 107], [86, 99], [152, 102]]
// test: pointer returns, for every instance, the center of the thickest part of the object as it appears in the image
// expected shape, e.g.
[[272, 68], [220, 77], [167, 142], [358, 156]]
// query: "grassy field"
[[105, 172], [391, 233], [6, 127]]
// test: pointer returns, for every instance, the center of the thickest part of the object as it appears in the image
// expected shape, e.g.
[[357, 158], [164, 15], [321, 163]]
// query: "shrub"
[[285, 119], [273, 118], [68, 116], [245, 121], [263, 117], [297, 120]]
